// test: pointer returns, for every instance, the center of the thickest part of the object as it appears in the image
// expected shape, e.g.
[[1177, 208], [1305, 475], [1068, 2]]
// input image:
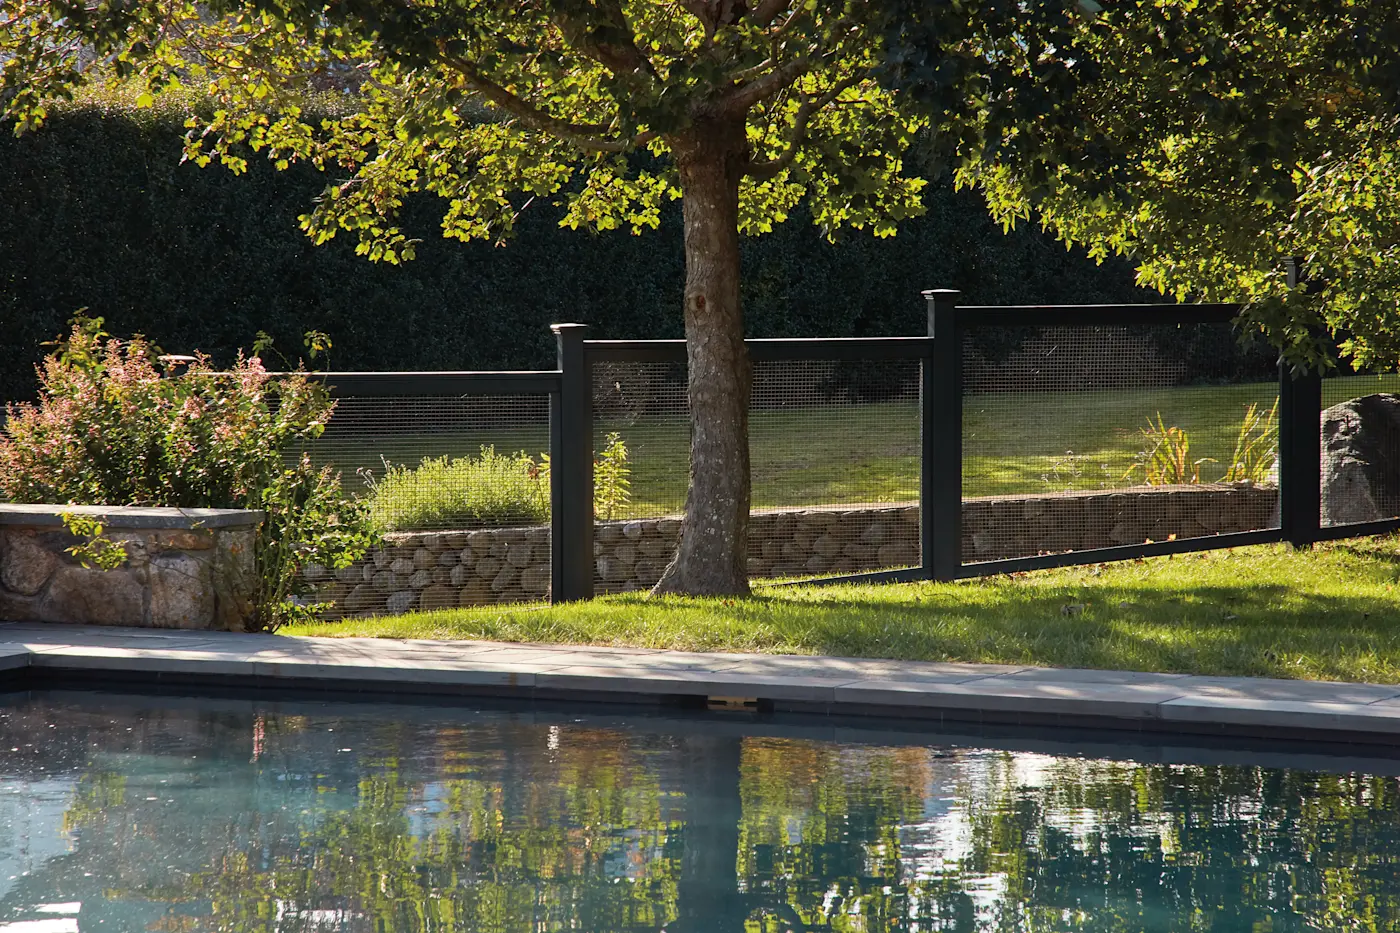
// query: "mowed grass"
[[1330, 613], [1025, 442]]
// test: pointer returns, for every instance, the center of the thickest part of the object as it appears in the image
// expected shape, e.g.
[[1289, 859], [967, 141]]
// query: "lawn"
[[1025, 442], [1330, 613]]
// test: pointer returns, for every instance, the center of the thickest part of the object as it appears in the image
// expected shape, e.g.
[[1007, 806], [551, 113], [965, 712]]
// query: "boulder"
[[1361, 460]]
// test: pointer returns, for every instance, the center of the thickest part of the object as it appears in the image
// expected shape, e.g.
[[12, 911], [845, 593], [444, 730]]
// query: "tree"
[[612, 106], [1208, 140]]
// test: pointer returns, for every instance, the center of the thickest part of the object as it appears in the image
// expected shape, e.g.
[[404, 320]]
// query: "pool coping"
[[37, 655]]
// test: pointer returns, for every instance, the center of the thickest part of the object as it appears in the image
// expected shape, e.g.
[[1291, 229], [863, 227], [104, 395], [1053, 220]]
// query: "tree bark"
[[713, 558]]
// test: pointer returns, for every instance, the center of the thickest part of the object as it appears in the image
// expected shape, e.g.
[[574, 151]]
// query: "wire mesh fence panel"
[[834, 447], [1077, 438], [1360, 421], [460, 486], [638, 500]]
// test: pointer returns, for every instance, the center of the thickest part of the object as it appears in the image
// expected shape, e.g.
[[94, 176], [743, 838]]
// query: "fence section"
[[1006, 439]]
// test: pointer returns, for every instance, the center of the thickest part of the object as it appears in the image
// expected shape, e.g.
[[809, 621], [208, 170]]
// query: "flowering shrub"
[[110, 429]]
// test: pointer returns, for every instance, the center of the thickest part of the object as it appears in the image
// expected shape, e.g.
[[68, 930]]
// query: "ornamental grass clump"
[[113, 427], [490, 490]]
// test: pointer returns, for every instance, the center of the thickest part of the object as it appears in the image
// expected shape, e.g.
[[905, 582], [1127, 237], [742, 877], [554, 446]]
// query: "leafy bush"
[[110, 429], [491, 490]]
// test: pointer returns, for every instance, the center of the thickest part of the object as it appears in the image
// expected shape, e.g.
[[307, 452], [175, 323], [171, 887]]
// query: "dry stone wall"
[[184, 568], [420, 571]]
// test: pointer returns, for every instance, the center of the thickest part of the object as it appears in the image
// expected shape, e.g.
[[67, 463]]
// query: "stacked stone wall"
[[184, 569], [439, 570]]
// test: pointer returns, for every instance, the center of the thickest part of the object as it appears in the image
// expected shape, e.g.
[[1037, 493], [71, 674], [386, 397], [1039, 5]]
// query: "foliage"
[[1167, 459], [612, 486], [491, 489], [201, 259], [1208, 140], [1256, 447], [110, 429], [96, 552]]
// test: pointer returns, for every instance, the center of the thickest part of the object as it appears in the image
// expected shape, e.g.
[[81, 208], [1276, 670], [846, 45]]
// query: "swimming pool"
[[122, 813]]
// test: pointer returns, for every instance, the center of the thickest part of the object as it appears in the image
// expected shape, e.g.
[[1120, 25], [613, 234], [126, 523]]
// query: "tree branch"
[[749, 93], [583, 135], [770, 169], [767, 11], [618, 52]]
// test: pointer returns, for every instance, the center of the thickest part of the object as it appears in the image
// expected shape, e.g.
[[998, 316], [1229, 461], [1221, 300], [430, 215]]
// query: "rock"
[[423, 558], [479, 541], [520, 554], [860, 553], [626, 554], [827, 546], [459, 575], [1361, 460], [401, 565], [488, 567], [535, 580], [367, 572], [93, 597], [442, 576], [449, 558], [818, 518], [656, 547], [381, 558], [758, 566], [877, 534], [183, 540], [25, 564], [897, 555], [351, 574], [505, 580], [610, 533], [385, 581], [613, 570], [632, 531], [476, 593], [363, 598], [817, 564], [438, 596], [432, 542], [467, 555], [669, 528], [771, 549], [648, 572], [420, 579], [400, 602], [181, 592]]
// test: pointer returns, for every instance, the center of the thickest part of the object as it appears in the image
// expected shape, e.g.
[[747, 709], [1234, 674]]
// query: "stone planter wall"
[[185, 568], [439, 570]]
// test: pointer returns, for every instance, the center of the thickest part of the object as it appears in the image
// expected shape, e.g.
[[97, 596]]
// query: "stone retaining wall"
[[438, 570], [185, 568]]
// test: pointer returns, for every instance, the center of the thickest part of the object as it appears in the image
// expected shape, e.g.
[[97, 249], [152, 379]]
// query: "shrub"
[[110, 429], [493, 489]]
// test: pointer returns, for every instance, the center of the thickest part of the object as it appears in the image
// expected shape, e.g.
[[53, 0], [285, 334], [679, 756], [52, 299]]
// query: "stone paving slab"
[[923, 690]]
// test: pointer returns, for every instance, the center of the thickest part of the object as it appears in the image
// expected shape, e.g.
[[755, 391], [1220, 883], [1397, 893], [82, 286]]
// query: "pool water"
[[166, 814]]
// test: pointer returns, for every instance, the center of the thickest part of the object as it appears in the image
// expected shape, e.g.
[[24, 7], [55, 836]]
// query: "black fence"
[[1006, 439]]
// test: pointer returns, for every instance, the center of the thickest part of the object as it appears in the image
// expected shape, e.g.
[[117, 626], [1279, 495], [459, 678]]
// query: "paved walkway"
[[931, 691]]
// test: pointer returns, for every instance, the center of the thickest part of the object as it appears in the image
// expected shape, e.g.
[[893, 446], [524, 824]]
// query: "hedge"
[[98, 212]]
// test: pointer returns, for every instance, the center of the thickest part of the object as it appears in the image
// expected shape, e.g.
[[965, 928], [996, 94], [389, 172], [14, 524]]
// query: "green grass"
[[1330, 613], [1024, 442]]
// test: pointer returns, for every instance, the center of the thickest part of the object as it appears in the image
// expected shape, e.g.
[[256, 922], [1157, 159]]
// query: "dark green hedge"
[[97, 212]]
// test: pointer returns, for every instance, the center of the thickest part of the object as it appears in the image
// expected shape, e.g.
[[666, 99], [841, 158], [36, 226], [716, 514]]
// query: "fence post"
[[1299, 444], [571, 470], [940, 407]]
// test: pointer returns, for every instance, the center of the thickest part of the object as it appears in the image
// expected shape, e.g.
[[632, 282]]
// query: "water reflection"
[[120, 816]]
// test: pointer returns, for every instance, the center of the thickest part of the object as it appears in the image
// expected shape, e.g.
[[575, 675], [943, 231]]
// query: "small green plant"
[[96, 552], [612, 484], [492, 489], [1166, 461], [1256, 446]]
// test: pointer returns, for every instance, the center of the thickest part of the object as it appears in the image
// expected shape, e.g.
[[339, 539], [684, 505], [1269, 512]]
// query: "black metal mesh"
[[458, 536], [834, 449], [1360, 479], [1077, 438], [370, 436]]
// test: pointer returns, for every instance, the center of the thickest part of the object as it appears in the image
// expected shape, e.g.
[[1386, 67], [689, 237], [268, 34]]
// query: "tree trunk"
[[712, 559]]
